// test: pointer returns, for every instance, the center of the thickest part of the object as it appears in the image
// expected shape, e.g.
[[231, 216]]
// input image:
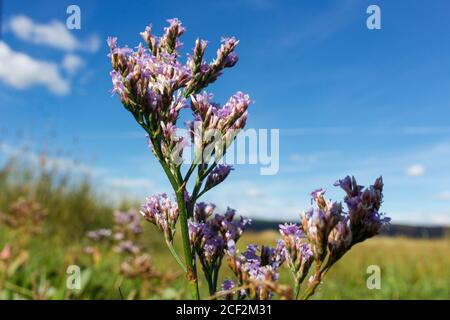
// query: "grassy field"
[[43, 248]]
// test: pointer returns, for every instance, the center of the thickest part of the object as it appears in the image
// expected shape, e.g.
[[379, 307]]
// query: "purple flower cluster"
[[130, 220], [318, 221], [127, 246], [99, 234], [215, 127], [203, 73], [363, 205], [210, 234], [127, 226], [162, 212], [296, 250], [217, 175], [153, 84], [256, 268], [331, 230]]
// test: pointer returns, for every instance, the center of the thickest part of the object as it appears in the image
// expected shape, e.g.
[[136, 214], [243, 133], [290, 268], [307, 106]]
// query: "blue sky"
[[347, 100]]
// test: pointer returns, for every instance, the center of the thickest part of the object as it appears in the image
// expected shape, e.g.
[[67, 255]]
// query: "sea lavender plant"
[[154, 86]]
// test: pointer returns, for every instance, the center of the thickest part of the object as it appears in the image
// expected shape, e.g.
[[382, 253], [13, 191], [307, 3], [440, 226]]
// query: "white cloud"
[[54, 34], [254, 192], [72, 63], [423, 130], [62, 164], [416, 170], [21, 71], [91, 44], [130, 183], [304, 159], [444, 195]]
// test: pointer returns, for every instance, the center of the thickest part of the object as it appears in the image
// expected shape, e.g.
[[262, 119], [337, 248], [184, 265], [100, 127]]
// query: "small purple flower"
[[112, 43], [349, 185], [227, 285], [218, 175], [290, 230], [203, 211], [316, 194], [118, 86]]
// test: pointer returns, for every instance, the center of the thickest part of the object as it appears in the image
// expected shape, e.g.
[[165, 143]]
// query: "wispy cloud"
[[22, 71], [72, 63], [293, 132], [375, 130], [425, 130], [444, 195], [322, 26], [62, 164], [130, 183], [416, 170], [53, 34], [254, 192]]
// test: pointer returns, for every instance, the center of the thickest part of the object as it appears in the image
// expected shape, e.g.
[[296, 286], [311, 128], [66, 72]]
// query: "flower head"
[[296, 250], [211, 234], [217, 175], [339, 240], [162, 212], [363, 204], [257, 268], [130, 221], [153, 85], [318, 221]]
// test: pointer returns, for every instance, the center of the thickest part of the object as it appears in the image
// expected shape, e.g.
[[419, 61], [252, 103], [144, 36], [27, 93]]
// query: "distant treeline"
[[395, 230]]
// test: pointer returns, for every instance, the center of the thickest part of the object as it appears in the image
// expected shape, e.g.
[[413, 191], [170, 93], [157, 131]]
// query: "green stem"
[[176, 183], [297, 289], [189, 173], [208, 272], [320, 273], [176, 256], [188, 255], [216, 273]]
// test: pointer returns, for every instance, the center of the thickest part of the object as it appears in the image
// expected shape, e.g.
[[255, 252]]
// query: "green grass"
[[410, 269]]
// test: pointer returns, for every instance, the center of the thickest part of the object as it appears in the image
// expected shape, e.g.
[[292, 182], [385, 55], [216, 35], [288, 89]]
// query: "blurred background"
[[347, 101]]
